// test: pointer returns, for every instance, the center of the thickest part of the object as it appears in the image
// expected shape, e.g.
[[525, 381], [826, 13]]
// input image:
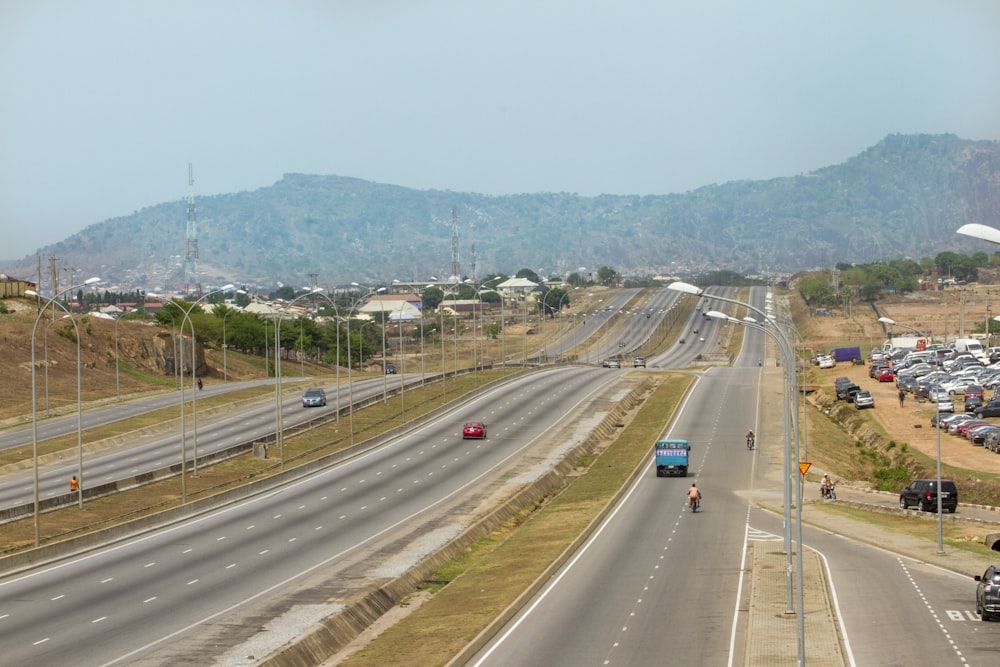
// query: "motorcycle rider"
[[826, 486], [750, 439], [694, 495]]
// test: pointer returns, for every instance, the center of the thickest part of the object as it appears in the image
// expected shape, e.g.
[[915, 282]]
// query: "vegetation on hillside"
[[866, 282], [903, 197]]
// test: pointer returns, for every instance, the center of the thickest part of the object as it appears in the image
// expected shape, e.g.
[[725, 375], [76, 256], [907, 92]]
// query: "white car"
[[958, 385], [945, 404], [826, 361]]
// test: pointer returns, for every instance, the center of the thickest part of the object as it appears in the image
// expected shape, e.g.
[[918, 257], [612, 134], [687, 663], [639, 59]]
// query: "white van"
[[972, 346]]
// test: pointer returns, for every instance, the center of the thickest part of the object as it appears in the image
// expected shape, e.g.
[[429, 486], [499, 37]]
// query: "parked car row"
[[976, 430], [942, 384]]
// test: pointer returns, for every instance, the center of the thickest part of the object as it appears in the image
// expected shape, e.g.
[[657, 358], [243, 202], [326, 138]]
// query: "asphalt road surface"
[[656, 584], [145, 596]]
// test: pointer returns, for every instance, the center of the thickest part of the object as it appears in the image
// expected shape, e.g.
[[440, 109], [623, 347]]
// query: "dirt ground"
[[911, 423], [947, 314]]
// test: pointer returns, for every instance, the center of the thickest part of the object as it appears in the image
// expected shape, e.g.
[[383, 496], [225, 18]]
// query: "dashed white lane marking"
[[930, 608]]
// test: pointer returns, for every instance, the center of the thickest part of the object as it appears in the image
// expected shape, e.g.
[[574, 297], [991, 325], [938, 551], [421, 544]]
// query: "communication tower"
[[454, 245], [192, 287]]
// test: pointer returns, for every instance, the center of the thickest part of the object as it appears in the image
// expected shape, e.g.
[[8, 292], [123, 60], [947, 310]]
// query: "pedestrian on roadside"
[[902, 397], [74, 484]]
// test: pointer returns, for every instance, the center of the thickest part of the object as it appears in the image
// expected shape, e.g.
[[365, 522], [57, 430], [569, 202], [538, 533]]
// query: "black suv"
[[991, 409], [923, 494], [988, 593], [846, 392]]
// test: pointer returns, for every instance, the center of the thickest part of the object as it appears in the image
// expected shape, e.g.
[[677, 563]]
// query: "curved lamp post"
[[937, 427], [320, 292], [385, 385], [225, 347], [194, 379], [788, 361], [79, 405], [34, 404], [482, 289], [788, 352], [118, 384], [350, 381], [45, 346], [278, 407], [981, 232], [892, 322]]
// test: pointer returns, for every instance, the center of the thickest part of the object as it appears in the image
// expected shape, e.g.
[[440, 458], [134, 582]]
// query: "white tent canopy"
[[517, 283]]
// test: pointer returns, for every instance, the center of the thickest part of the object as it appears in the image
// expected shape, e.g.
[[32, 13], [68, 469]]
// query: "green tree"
[[553, 301], [285, 292], [431, 297], [607, 276], [528, 274], [816, 291]]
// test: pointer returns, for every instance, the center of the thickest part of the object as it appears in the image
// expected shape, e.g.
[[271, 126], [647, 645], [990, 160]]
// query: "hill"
[[904, 196]]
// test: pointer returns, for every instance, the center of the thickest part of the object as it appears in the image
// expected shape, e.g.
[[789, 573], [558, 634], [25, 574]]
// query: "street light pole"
[[34, 405], [385, 387], [788, 426], [319, 291], [118, 384], [789, 355], [279, 407], [937, 428], [350, 380], [45, 345], [79, 404], [225, 347]]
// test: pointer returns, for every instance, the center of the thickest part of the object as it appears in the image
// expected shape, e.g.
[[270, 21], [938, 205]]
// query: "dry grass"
[[957, 535]]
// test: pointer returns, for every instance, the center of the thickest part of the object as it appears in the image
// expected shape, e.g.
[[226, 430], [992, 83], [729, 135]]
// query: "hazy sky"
[[104, 103]]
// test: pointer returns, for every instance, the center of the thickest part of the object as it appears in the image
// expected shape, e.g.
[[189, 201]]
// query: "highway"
[[656, 581], [158, 450], [142, 596], [146, 453], [655, 584]]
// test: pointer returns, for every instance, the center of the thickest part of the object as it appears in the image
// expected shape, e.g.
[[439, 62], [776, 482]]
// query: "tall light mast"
[[192, 286], [455, 268]]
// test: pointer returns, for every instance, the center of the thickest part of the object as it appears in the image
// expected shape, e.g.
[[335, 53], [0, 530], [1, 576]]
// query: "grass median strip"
[[309, 445], [492, 573]]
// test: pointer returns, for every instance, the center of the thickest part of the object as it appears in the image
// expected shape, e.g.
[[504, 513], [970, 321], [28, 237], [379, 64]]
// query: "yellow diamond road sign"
[[804, 467]]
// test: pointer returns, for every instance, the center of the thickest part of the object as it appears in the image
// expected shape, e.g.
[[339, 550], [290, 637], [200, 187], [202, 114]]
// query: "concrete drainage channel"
[[326, 638]]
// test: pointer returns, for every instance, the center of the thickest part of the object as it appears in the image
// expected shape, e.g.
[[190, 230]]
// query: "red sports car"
[[474, 430]]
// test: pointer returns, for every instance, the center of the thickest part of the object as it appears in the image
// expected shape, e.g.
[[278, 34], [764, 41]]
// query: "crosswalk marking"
[[757, 535]]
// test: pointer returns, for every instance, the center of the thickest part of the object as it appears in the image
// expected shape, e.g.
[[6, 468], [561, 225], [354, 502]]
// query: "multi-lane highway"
[[655, 584], [144, 596], [656, 581], [156, 450]]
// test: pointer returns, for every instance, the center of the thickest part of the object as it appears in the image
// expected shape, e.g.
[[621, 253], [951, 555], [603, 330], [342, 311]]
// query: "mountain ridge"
[[904, 196]]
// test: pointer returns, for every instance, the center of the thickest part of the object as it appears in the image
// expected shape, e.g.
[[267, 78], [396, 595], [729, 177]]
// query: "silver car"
[[864, 399], [314, 398]]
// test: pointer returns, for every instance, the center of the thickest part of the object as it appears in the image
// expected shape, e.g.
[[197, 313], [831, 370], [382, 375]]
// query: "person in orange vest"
[[74, 484]]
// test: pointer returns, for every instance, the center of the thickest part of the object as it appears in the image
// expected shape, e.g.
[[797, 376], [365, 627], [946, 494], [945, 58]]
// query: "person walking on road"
[[902, 397], [74, 484]]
